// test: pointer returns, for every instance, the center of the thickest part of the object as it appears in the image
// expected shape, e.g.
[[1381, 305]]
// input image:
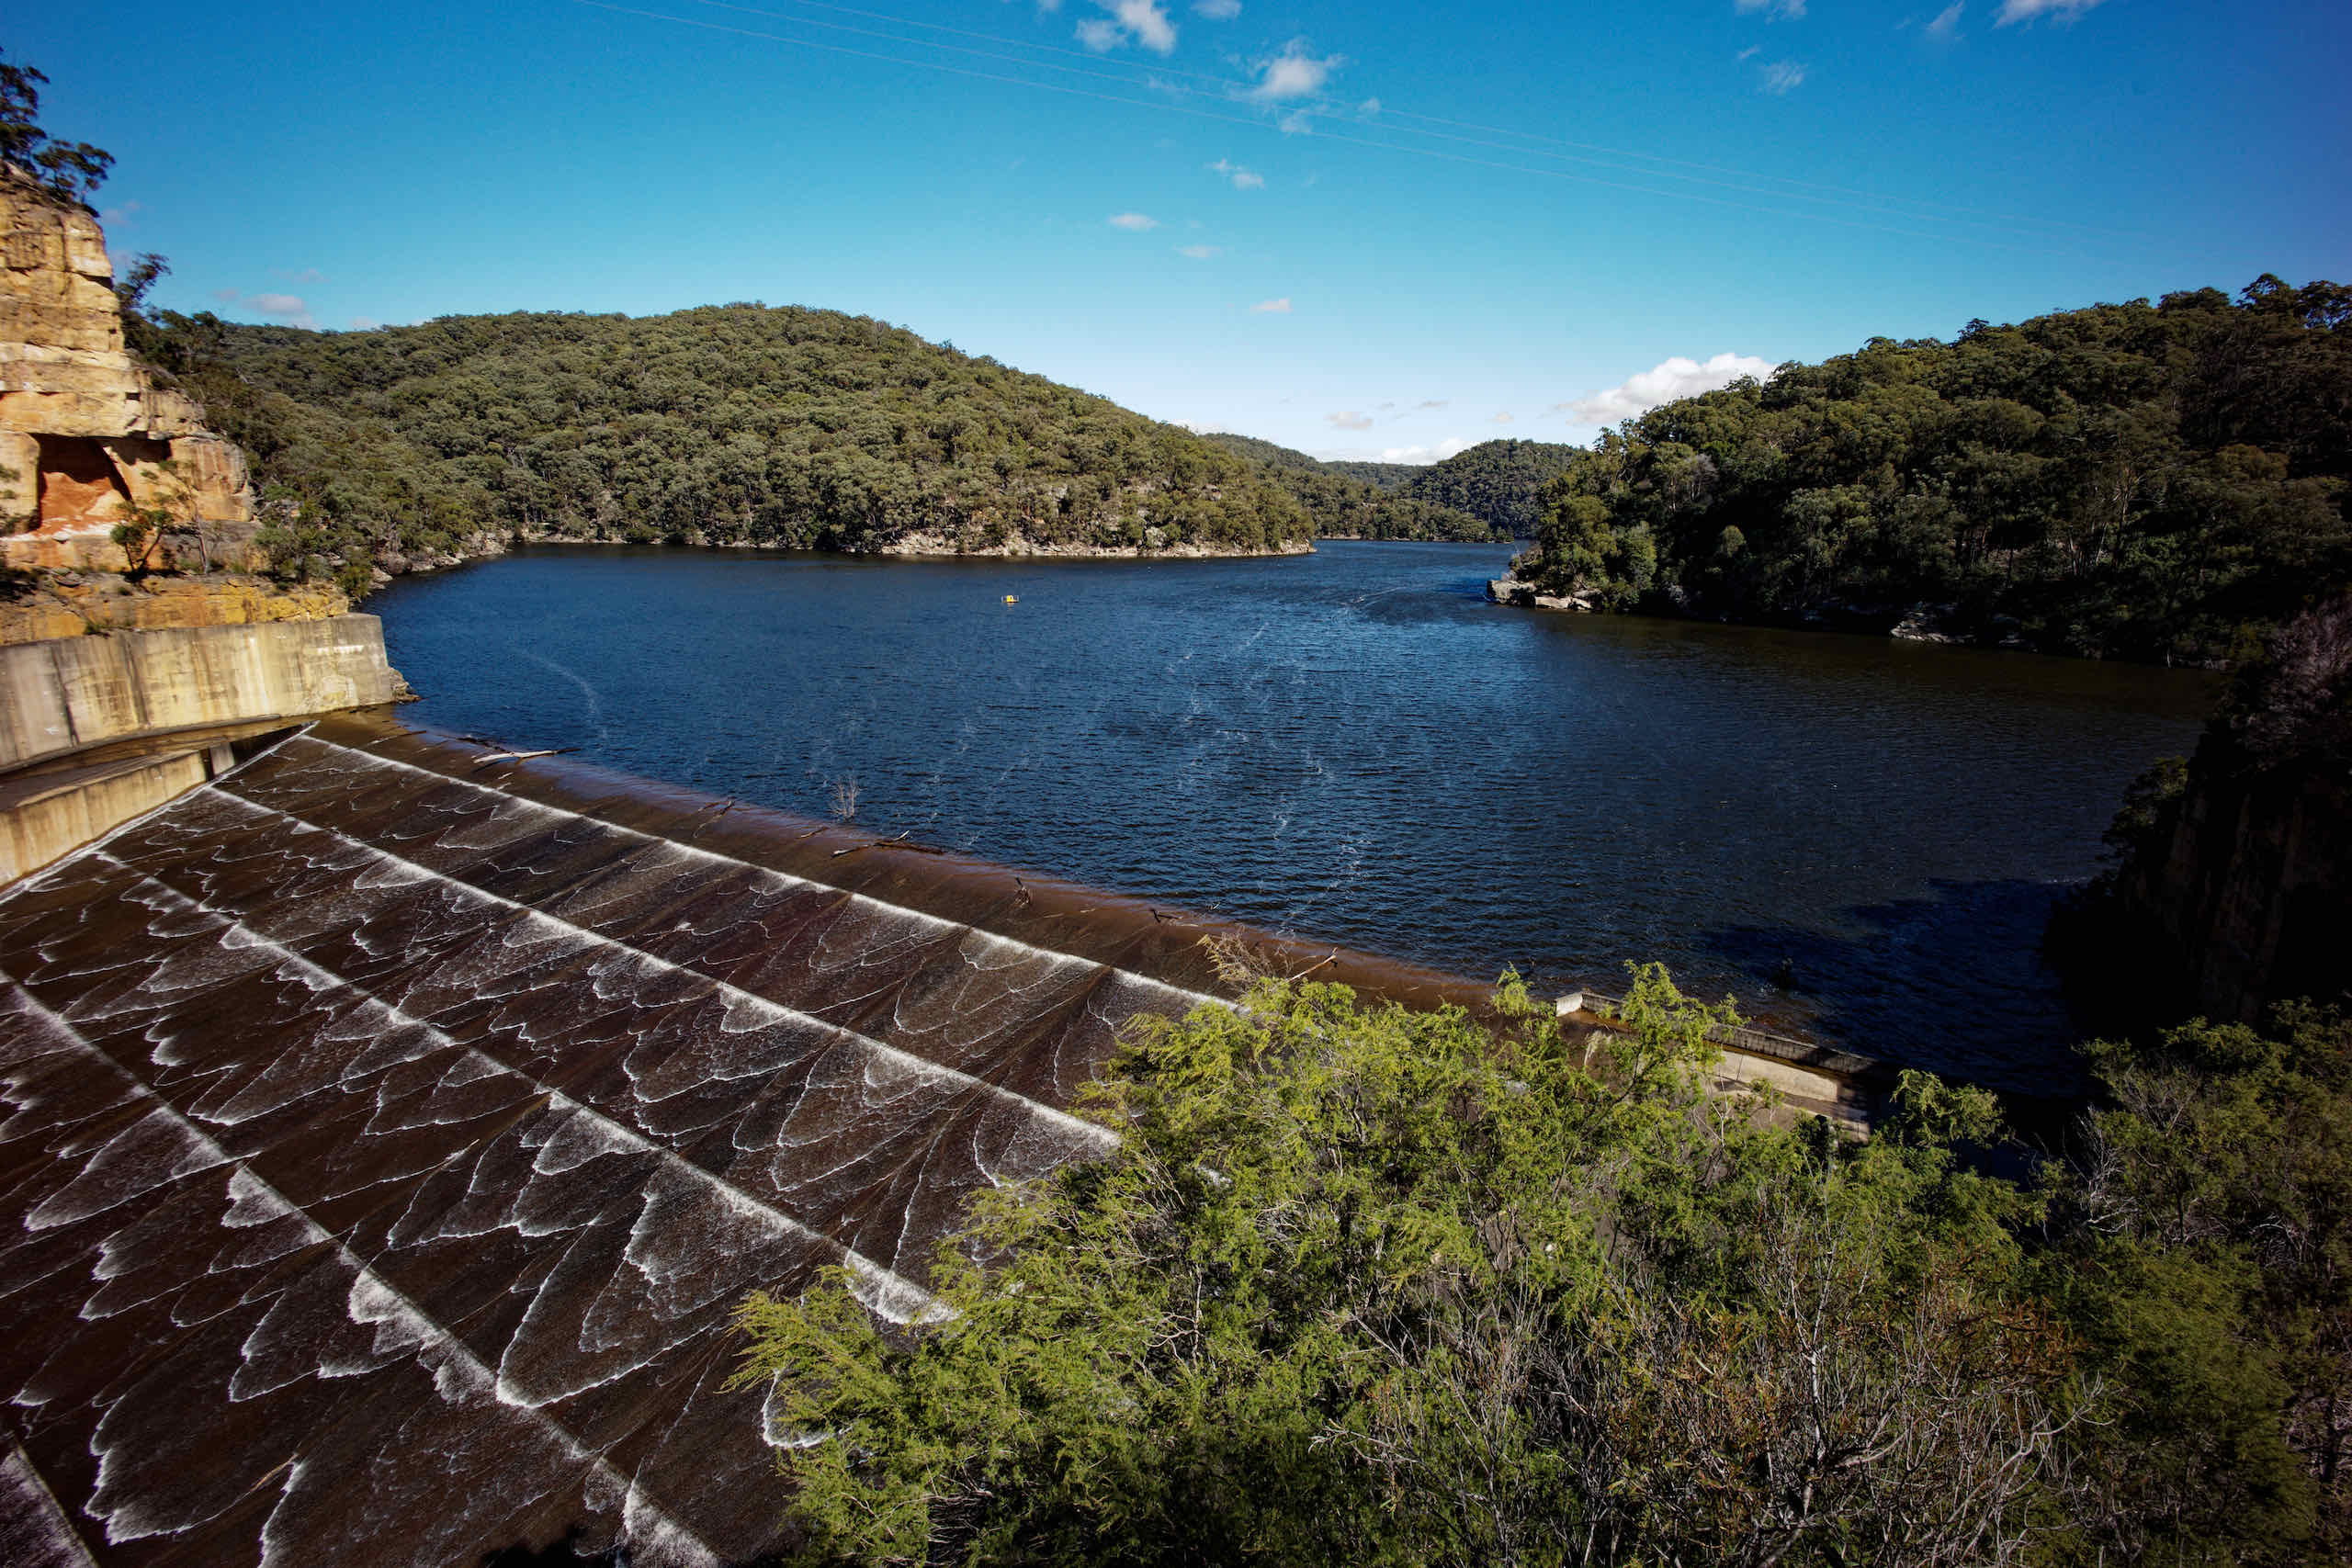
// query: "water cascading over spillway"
[[382, 1152]]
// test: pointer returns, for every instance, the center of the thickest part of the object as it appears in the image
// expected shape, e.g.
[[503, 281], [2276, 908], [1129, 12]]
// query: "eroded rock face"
[[88, 435]]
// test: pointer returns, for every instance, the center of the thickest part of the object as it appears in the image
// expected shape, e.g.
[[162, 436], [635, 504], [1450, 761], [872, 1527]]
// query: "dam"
[[387, 1128]]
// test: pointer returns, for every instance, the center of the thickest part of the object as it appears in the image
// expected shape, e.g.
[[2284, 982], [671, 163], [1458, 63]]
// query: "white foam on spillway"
[[402, 1330], [781, 880], [34, 1531], [588, 1135], [610, 1258], [887, 1058]]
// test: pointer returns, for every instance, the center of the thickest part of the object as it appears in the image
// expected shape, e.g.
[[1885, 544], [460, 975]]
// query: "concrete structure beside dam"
[[389, 1127]]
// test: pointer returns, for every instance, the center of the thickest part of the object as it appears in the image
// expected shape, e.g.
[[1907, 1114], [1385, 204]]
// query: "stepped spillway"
[[383, 1150]]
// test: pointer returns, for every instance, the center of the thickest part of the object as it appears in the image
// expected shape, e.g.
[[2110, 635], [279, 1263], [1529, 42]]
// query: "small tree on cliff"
[[71, 171]]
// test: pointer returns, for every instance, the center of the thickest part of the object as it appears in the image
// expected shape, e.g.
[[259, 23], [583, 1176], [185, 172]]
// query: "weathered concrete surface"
[[67, 810], [67, 692]]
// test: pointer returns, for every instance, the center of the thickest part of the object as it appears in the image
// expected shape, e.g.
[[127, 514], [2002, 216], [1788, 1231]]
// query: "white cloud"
[[1677, 378], [1750, 53], [1295, 123], [1369, 107], [1792, 9], [307, 274], [1431, 404], [1201, 253], [363, 323], [1437, 454], [288, 308], [1272, 307], [1138, 21], [1946, 25], [1243, 179], [1134, 223], [122, 214], [1293, 74], [1217, 10], [2027, 10], [1783, 76], [1502, 418], [1348, 420]]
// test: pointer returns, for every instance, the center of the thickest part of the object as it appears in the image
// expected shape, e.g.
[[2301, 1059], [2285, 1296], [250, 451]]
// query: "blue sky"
[[1380, 229]]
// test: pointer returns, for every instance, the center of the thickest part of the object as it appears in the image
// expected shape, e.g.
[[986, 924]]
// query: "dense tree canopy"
[[2146, 481], [736, 423], [1366, 1286], [1498, 480], [1346, 508]]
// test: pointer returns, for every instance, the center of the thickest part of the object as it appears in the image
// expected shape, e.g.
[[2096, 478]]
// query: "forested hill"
[[735, 423], [1497, 480], [1346, 508], [2141, 480]]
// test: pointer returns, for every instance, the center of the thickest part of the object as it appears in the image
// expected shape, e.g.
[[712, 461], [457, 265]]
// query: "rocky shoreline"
[[1924, 623]]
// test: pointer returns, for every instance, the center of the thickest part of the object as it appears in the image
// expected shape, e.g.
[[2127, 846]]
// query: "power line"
[[1326, 133], [1920, 208]]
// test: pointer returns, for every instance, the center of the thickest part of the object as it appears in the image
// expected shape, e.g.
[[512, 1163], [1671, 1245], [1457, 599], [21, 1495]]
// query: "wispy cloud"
[[1502, 418], [1369, 107], [1217, 10], [1675, 377], [1295, 123], [1201, 253], [1946, 27], [1272, 307], [1243, 179], [1293, 74], [1432, 403], [122, 214], [2027, 10], [288, 308], [1792, 9], [1348, 419], [1783, 77], [1126, 21], [1134, 223], [363, 323], [306, 274]]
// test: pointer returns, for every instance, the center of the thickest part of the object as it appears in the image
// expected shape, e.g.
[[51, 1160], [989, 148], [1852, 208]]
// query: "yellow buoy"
[[1010, 600]]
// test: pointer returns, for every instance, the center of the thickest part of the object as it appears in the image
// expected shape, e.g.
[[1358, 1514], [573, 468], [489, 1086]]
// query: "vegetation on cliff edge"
[[2140, 480]]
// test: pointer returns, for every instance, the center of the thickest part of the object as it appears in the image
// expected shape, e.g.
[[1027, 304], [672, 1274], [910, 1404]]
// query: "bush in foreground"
[[1367, 1285]]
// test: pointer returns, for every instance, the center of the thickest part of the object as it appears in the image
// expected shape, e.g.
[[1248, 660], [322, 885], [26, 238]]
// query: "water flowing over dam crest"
[[385, 1138]]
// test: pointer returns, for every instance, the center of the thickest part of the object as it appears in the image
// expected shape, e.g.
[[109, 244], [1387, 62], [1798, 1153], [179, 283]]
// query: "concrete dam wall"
[[67, 693]]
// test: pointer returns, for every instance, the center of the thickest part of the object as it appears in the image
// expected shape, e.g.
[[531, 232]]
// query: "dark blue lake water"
[[1354, 745]]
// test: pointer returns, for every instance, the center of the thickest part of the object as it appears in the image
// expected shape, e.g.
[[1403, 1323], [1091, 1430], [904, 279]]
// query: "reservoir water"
[[1859, 839]]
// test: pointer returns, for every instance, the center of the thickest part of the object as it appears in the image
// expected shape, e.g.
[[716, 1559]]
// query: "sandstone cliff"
[[2237, 882], [88, 435], [91, 439]]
